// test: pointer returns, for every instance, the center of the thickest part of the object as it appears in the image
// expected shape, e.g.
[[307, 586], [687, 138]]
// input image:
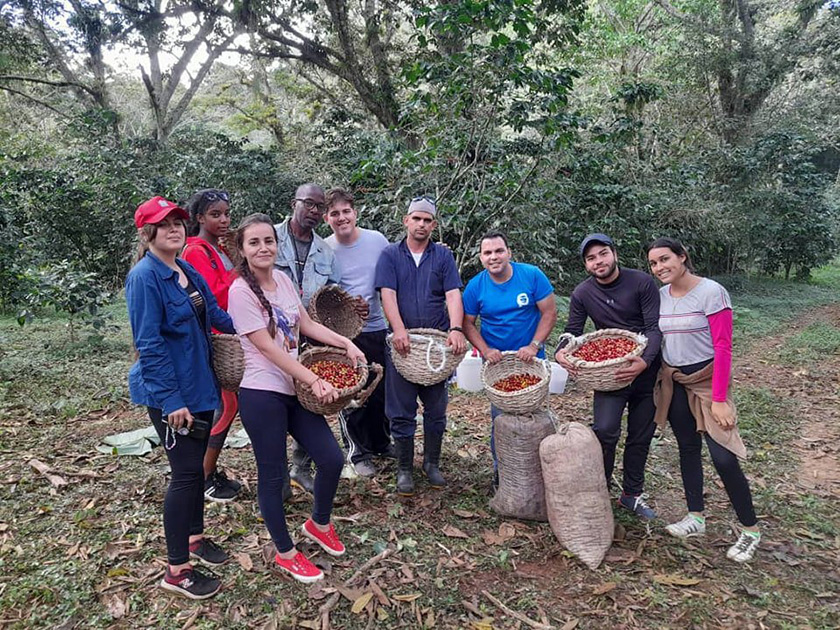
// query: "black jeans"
[[268, 417], [366, 430], [183, 505], [691, 458], [608, 407]]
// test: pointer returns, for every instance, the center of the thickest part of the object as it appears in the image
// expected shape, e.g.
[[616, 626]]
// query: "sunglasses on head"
[[217, 195], [425, 198]]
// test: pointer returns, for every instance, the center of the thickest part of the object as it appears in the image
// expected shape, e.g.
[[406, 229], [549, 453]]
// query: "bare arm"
[[282, 359], [392, 312], [548, 316], [473, 335], [455, 308]]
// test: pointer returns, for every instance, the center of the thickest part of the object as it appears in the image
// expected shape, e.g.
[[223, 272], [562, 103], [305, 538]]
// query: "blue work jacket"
[[320, 268], [421, 289], [174, 366]]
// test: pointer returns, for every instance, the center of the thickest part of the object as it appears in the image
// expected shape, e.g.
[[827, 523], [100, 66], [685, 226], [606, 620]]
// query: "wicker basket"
[[521, 402], [228, 361], [430, 360], [600, 375], [354, 396], [333, 307]]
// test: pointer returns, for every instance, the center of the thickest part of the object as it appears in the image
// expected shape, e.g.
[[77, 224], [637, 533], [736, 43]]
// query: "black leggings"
[[691, 463], [183, 505], [267, 418]]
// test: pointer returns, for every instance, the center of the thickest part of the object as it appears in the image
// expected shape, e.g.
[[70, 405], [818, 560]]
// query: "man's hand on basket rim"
[[629, 371], [401, 342], [456, 340]]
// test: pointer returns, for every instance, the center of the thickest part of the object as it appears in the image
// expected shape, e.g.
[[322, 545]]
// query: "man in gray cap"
[[420, 288], [615, 297]]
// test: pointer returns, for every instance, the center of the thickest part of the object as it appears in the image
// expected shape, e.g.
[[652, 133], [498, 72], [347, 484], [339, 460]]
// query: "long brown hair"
[[244, 269]]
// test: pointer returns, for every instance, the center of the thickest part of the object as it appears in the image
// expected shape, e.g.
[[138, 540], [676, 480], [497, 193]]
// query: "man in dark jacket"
[[614, 297]]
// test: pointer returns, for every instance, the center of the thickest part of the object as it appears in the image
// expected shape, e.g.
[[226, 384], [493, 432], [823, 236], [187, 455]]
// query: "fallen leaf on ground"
[[675, 580], [464, 513], [606, 587], [244, 561], [453, 532], [46, 471], [571, 624], [359, 604], [410, 597]]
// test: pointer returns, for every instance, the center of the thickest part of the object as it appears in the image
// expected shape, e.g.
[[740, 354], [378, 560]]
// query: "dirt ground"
[[81, 542]]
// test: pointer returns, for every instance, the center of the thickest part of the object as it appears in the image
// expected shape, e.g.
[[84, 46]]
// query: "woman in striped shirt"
[[693, 390]]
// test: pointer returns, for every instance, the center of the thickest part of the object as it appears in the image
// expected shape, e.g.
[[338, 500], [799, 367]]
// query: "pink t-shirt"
[[248, 316]]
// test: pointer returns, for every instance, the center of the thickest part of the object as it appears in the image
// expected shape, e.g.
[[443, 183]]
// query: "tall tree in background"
[[74, 39]]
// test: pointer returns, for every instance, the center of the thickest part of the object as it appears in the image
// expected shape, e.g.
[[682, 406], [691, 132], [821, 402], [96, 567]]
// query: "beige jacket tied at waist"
[[698, 387]]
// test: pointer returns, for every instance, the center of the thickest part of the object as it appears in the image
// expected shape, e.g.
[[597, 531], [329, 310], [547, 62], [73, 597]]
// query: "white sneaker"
[[744, 548], [688, 527]]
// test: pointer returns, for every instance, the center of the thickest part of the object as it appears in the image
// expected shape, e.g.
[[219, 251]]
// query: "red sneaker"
[[328, 540], [300, 568]]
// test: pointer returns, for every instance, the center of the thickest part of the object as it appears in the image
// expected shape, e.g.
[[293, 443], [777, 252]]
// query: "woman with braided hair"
[[269, 318]]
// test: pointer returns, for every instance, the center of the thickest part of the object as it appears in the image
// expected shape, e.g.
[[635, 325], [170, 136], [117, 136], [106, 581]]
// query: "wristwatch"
[[458, 328], [539, 345]]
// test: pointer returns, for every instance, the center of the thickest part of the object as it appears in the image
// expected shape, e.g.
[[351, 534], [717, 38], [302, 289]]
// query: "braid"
[[246, 273]]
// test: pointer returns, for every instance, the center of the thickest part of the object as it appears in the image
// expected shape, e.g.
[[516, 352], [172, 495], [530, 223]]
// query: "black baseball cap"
[[597, 237]]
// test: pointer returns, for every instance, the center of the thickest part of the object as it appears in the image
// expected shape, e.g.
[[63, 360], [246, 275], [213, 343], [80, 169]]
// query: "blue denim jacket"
[[174, 367], [320, 268]]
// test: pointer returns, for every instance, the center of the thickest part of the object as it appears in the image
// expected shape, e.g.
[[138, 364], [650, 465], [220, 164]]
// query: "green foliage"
[[63, 287], [74, 212]]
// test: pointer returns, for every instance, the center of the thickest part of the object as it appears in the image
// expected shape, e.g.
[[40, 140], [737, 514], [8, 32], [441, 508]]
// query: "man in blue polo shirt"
[[515, 303], [420, 288]]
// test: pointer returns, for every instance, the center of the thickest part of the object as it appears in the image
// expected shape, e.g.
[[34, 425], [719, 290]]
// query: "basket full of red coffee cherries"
[[334, 366], [597, 355], [516, 386]]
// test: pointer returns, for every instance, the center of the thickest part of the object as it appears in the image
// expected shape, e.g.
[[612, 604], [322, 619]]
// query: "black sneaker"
[[364, 468], [389, 452], [208, 552], [636, 504], [191, 583], [302, 478], [217, 487]]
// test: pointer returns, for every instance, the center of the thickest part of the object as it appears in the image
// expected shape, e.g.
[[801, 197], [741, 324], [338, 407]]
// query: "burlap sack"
[[521, 493], [576, 494]]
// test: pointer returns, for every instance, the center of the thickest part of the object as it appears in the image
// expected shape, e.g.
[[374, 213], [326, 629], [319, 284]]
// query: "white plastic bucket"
[[468, 374], [559, 375]]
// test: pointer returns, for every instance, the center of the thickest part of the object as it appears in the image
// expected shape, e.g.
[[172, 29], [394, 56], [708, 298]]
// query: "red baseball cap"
[[156, 210]]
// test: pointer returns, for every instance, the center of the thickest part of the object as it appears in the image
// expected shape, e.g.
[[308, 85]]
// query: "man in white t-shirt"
[[366, 431]]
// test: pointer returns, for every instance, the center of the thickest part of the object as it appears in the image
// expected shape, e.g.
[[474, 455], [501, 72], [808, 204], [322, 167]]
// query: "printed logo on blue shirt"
[[522, 300]]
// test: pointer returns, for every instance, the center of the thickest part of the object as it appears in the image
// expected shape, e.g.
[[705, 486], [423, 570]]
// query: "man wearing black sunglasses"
[[310, 264]]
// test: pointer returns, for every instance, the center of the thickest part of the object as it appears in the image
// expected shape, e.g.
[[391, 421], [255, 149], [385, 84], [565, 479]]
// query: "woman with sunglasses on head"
[[171, 310], [693, 390], [208, 226], [269, 318]]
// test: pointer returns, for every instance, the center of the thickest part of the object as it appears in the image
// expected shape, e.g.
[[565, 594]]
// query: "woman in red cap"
[[171, 310], [209, 211]]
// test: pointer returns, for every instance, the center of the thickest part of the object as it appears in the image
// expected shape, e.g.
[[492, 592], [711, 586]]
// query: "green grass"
[[50, 394], [762, 305]]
